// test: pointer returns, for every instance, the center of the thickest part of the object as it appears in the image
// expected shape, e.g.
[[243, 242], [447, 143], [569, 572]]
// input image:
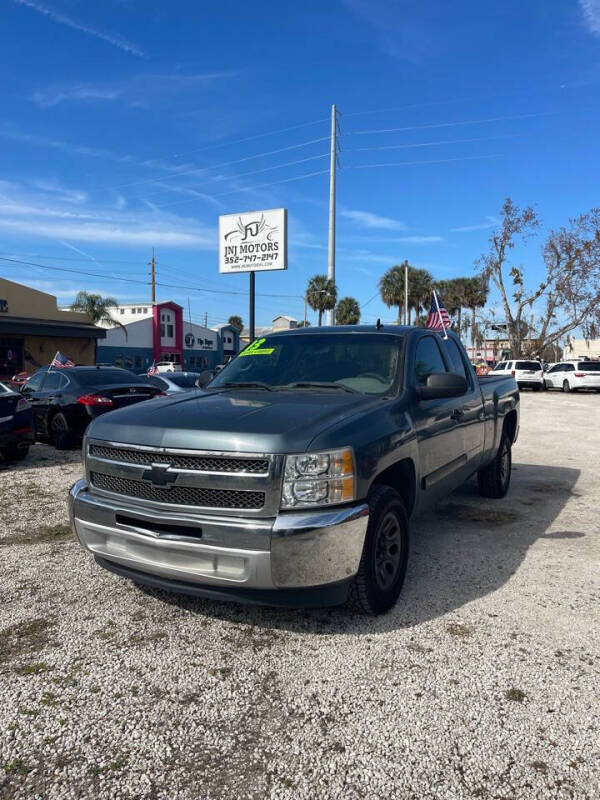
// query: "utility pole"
[[206, 319], [153, 278], [332, 176], [406, 294]]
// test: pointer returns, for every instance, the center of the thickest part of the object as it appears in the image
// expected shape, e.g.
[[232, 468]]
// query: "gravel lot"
[[482, 683]]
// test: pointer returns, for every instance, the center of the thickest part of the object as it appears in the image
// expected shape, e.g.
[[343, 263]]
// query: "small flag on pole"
[[438, 319], [61, 361], [153, 370]]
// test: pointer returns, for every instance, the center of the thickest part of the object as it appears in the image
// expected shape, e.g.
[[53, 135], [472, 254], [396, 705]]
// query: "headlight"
[[319, 479]]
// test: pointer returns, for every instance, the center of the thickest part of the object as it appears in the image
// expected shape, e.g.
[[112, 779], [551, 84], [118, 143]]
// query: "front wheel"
[[378, 582], [61, 435], [494, 479]]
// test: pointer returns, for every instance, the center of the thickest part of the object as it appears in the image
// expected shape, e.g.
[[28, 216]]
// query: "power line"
[[251, 188], [431, 161], [252, 172], [226, 163], [432, 144], [133, 280], [451, 124]]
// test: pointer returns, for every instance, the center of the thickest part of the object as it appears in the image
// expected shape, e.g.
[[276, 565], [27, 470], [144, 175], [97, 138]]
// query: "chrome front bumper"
[[297, 549]]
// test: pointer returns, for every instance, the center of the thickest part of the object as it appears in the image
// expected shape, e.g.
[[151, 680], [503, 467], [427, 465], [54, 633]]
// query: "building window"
[[170, 331], [162, 317], [128, 362], [162, 331], [121, 311], [145, 311], [139, 310], [133, 310], [118, 361], [138, 362]]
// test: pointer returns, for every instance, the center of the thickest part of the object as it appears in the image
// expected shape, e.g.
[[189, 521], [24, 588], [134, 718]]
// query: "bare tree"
[[570, 290], [515, 223]]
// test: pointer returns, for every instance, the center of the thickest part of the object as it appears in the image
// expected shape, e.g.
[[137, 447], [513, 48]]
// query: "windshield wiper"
[[245, 385], [318, 385]]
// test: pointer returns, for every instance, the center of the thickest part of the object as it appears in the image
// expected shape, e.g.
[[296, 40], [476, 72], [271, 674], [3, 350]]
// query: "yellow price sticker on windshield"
[[255, 349]]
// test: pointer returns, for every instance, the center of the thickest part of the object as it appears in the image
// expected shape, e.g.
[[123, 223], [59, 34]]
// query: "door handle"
[[457, 414]]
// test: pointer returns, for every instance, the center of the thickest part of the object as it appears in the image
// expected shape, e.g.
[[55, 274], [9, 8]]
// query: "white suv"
[[572, 375], [526, 373]]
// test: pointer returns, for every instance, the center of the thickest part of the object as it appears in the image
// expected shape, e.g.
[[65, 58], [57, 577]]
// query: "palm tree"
[[347, 312], [454, 293], [420, 287], [236, 322], [476, 294], [97, 309], [391, 288], [321, 294]]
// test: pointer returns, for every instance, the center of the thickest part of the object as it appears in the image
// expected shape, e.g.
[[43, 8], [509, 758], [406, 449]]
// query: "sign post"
[[253, 241]]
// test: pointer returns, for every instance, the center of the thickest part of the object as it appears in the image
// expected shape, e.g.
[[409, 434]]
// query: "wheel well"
[[510, 425], [400, 477]]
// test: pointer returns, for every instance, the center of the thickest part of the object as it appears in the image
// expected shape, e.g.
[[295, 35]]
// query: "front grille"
[[178, 495], [201, 463]]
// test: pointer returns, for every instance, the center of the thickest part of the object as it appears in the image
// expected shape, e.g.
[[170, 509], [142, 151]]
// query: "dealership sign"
[[254, 241]]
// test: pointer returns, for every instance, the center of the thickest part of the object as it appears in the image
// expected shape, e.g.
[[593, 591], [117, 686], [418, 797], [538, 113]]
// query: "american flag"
[[153, 370], [60, 361], [438, 320]]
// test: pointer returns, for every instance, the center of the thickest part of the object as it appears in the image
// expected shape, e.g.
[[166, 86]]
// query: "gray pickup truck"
[[291, 478]]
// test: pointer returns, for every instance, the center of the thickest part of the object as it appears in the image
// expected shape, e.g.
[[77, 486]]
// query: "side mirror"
[[442, 384]]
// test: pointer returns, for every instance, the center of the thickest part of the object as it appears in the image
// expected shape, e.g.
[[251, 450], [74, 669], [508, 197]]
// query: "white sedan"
[[573, 375]]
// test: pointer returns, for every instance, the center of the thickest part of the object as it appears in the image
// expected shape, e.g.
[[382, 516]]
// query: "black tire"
[[61, 435], [378, 582], [566, 387], [494, 479], [12, 453], [545, 386]]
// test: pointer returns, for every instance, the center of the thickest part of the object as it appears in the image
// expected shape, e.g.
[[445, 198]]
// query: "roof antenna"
[[378, 324]]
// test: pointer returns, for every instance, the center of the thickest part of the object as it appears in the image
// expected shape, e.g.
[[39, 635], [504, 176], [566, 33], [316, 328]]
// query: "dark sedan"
[[16, 424], [65, 401]]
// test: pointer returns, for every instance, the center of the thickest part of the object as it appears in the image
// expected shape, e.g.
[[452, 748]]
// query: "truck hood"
[[241, 420]]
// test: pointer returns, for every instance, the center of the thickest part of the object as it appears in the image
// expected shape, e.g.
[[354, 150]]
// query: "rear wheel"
[[377, 584], [61, 435], [494, 479], [566, 386]]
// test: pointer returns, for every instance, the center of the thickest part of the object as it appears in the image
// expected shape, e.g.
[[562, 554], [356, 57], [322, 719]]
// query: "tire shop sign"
[[254, 241]]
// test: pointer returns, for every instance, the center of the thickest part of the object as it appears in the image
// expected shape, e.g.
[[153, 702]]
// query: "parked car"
[[528, 374], [18, 380], [65, 401], [16, 424], [167, 366], [173, 382], [290, 480], [573, 375]]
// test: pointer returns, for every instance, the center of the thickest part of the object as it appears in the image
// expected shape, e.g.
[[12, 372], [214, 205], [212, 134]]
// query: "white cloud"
[[591, 14], [369, 220], [63, 19], [22, 213], [144, 90], [490, 222]]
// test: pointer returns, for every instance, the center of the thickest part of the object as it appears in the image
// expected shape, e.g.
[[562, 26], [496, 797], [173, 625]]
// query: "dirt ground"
[[483, 682]]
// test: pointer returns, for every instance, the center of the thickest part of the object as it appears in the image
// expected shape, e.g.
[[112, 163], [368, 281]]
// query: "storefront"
[[32, 329]]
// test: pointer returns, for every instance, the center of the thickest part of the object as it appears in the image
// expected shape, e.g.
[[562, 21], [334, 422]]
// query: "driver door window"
[[428, 359]]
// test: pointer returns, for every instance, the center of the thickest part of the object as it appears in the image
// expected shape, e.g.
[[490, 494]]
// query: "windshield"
[[187, 380], [102, 377], [589, 366], [528, 365], [366, 363]]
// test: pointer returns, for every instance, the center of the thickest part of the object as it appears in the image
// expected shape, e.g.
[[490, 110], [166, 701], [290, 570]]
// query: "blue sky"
[[127, 125]]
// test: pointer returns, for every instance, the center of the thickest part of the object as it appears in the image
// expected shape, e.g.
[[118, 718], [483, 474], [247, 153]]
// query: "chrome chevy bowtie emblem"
[[159, 475]]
